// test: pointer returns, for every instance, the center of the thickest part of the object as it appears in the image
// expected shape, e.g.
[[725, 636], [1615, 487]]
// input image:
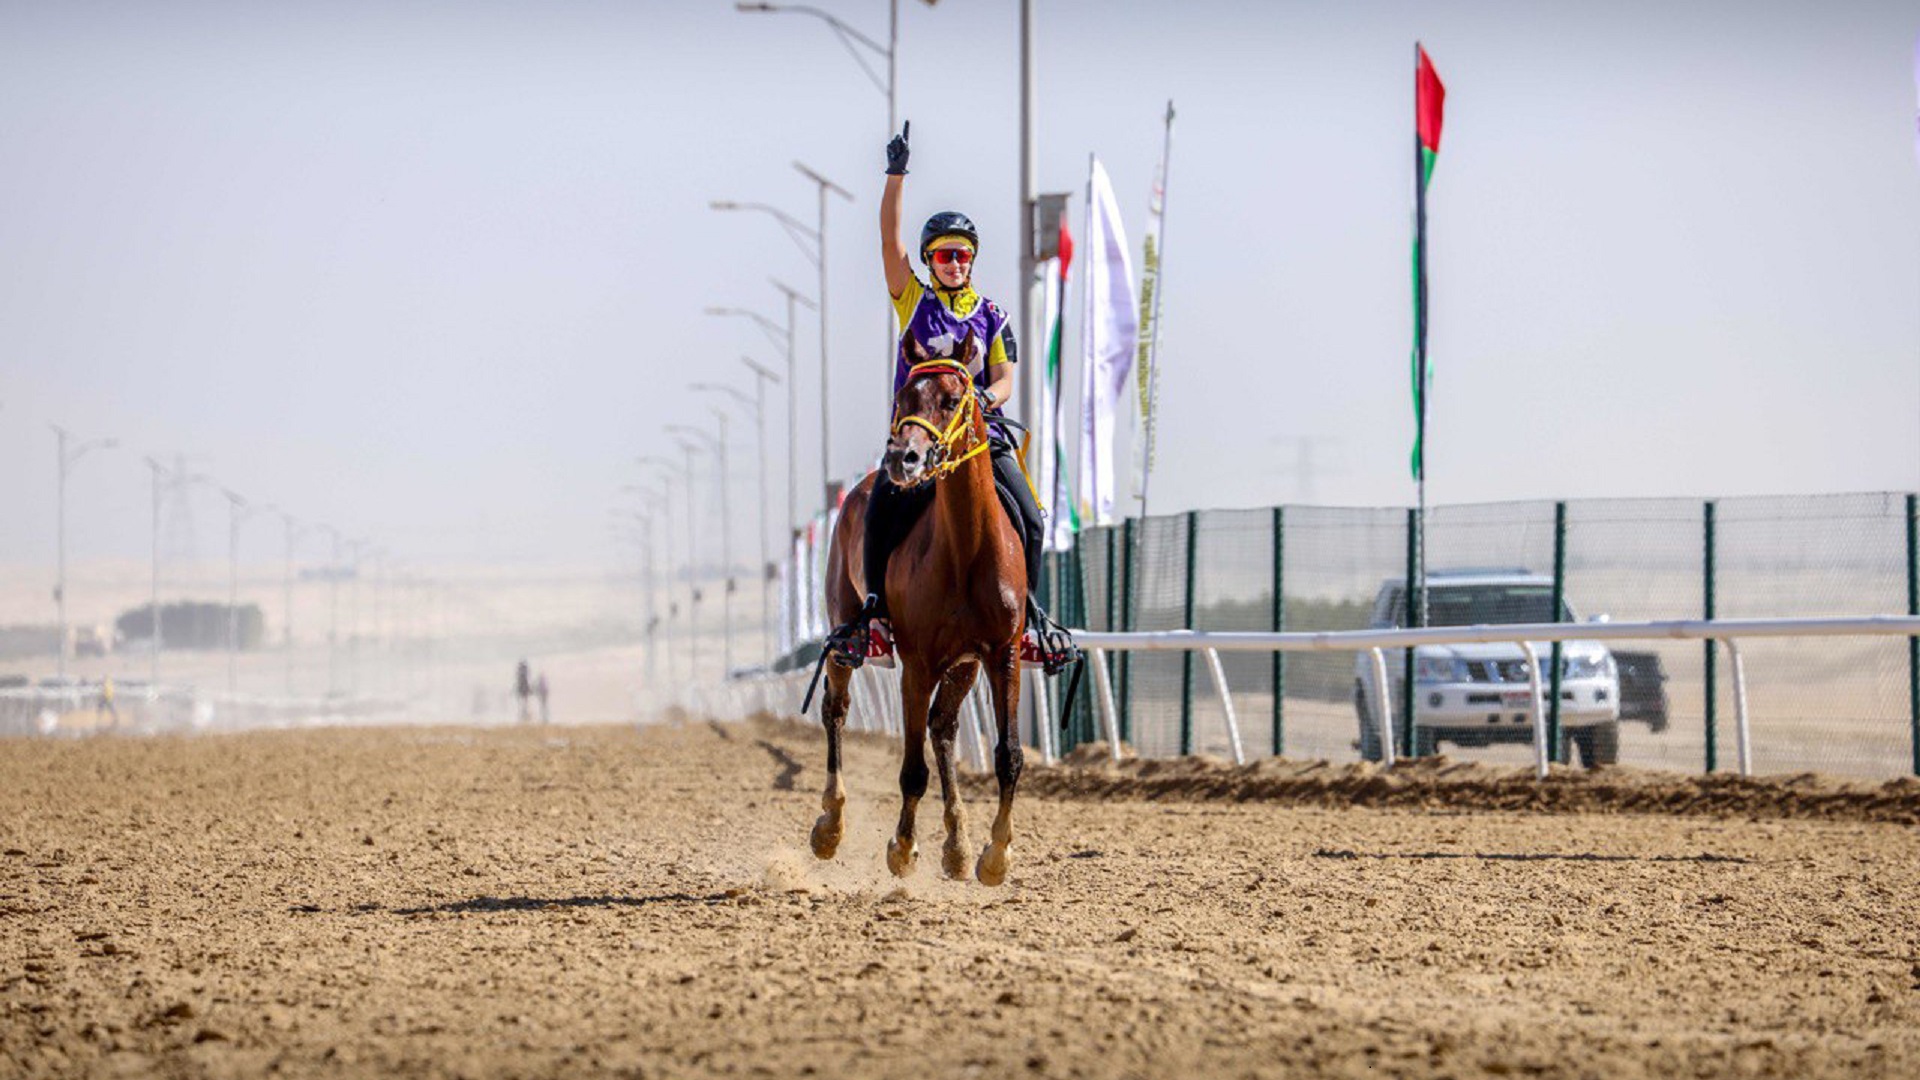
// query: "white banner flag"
[[1108, 333], [1147, 365]]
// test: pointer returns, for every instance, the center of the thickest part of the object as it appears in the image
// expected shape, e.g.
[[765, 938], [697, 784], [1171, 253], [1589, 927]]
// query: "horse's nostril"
[[911, 457]]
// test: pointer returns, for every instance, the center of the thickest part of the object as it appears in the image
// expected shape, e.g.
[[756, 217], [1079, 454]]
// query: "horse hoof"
[[992, 869], [953, 859], [901, 858], [826, 836]]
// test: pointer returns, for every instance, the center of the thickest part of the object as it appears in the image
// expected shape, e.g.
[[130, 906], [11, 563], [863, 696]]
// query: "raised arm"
[[893, 253]]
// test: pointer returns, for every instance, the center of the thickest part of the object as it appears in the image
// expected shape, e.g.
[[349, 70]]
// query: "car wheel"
[[1598, 745], [1426, 742]]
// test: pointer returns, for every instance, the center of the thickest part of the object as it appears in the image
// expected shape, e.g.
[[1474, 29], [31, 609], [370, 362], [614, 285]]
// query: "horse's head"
[[933, 417]]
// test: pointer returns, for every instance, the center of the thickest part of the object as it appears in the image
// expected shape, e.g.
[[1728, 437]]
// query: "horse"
[[956, 589]]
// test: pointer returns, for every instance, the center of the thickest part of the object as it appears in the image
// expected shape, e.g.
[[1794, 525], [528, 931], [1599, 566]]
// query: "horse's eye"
[[952, 402]]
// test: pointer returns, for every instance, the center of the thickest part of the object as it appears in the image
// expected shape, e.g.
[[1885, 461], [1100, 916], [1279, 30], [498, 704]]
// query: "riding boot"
[[1055, 647], [848, 643]]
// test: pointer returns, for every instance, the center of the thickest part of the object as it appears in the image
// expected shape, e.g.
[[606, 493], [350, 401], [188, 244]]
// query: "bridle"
[[942, 460]]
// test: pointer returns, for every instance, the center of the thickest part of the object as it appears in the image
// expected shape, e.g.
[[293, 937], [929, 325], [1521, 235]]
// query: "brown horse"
[[956, 589]]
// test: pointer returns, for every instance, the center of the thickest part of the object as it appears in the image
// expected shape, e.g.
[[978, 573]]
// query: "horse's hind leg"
[[829, 828], [944, 725], [915, 689], [1003, 677]]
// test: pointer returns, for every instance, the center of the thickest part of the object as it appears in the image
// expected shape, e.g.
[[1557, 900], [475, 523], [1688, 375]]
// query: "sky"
[[434, 274]]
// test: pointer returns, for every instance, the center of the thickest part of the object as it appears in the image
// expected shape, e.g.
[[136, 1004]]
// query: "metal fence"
[[1848, 706]]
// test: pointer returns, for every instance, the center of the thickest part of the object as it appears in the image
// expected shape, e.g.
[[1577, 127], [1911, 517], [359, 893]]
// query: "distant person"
[[540, 689], [523, 689], [106, 701]]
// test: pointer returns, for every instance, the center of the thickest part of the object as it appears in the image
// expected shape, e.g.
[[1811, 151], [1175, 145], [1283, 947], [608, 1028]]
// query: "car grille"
[[1497, 670]]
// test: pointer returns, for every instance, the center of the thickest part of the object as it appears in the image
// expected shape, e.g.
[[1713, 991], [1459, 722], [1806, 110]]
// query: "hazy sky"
[[434, 273]]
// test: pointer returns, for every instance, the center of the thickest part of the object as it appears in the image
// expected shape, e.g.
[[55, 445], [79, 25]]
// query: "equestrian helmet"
[[947, 223]]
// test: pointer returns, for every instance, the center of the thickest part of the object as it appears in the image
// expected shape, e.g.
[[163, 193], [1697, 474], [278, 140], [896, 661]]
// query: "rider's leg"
[[1055, 645], [848, 641], [1006, 473], [878, 544]]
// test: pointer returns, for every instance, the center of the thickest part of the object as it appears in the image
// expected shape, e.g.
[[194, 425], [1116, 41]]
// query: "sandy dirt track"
[[641, 902]]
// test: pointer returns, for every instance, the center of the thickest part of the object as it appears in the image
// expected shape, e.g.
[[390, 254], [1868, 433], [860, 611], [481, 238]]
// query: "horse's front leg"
[[829, 828], [916, 686], [1003, 678], [944, 725]]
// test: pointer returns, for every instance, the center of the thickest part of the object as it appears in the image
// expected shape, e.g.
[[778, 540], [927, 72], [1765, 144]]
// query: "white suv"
[[1477, 695]]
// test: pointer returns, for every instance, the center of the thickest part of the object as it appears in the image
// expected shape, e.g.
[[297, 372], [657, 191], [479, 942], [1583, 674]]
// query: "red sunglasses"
[[943, 256]]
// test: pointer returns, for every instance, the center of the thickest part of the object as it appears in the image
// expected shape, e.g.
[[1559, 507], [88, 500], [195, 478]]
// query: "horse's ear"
[[916, 351], [966, 346]]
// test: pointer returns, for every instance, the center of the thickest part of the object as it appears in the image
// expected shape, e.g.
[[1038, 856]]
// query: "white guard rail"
[[1526, 635]]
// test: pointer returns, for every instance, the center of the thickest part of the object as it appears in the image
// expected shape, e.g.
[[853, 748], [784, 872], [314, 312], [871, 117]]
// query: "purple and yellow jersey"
[[940, 321]]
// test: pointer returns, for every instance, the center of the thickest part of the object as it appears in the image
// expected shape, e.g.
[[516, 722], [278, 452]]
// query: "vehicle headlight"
[[1438, 669], [1584, 667]]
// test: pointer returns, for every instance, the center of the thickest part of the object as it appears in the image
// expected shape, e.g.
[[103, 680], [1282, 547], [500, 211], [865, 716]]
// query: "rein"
[[959, 427]]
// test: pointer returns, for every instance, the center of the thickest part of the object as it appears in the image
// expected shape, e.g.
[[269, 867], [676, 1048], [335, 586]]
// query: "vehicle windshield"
[[1470, 605]]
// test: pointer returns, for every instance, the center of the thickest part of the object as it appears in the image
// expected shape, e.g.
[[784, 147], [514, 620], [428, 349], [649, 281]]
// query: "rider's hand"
[[897, 151]]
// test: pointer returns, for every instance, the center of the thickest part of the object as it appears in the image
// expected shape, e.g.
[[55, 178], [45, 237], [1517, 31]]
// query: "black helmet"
[[947, 223]]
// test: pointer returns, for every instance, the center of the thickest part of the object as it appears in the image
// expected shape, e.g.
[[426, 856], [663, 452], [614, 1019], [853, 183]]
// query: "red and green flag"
[[1429, 99]]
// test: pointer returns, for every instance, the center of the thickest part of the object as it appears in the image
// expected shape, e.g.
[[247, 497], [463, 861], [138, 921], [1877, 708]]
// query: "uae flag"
[[1064, 516], [1429, 97]]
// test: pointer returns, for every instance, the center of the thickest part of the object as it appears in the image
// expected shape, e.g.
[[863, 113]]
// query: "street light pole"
[[1030, 283], [665, 506], [236, 512], [693, 587], [824, 185], [333, 614], [645, 522], [761, 378], [891, 86], [849, 37], [153, 639], [719, 450], [68, 458], [358, 548], [286, 589], [795, 300], [758, 405], [155, 642], [785, 339]]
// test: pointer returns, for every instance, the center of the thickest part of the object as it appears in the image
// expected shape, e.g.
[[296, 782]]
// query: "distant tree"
[[189, 624]]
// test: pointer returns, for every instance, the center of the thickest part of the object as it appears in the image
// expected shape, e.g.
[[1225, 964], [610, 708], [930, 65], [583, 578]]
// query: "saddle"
[[1045, 645]]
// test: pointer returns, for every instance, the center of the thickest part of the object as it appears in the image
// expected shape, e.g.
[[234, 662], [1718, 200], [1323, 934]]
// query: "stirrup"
[[846, 644], [1047, 645], [866, 636]]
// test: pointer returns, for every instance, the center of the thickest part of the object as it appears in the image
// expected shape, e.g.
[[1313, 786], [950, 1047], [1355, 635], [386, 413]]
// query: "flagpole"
[[1152, 380], [1420, 255]]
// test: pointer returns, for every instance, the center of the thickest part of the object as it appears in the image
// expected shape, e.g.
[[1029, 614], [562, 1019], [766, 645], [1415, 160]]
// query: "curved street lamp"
[[68, 458], [757, 405]]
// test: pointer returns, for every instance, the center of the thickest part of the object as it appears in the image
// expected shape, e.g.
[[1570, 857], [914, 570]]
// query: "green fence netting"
[[1840, 705]]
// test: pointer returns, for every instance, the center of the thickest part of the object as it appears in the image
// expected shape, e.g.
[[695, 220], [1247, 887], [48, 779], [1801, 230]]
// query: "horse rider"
[[939, 315]]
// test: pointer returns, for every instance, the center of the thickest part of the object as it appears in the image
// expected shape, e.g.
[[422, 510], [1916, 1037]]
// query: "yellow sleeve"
[[997, 352], [908, 299]]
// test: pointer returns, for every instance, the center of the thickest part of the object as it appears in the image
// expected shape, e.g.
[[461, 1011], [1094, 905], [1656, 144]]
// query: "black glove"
[[897, 151]]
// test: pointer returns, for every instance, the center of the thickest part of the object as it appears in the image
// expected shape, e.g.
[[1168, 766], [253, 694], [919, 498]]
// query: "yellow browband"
[[958, 426]]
